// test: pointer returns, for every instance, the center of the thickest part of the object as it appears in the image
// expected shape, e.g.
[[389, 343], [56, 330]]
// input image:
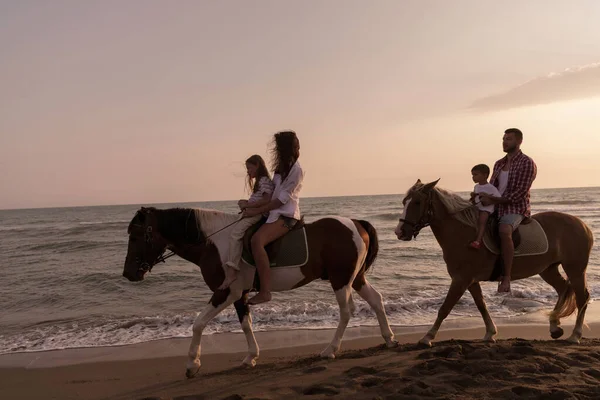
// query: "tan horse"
[[340, 250], [453, 220]]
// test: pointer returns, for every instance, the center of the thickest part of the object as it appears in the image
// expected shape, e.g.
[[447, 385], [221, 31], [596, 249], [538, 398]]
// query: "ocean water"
[[61, 278]]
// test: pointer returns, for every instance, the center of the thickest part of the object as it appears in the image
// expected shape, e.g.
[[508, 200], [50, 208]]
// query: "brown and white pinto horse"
[[453, 220], [340, 249]]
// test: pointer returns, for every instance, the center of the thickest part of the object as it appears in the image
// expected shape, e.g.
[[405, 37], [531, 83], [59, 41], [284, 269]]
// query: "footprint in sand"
[[314, 370], [593, 372], [320, 389], [360, 371]]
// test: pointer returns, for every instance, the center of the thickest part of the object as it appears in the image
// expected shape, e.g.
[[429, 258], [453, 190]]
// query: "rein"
[[146, 267], [425, 220], [162, 258]]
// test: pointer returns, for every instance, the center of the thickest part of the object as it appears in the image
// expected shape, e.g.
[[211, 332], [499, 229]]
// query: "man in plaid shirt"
[[513, 176]]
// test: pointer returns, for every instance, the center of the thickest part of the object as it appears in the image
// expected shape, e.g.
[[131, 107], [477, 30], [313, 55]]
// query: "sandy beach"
[[524, 363]]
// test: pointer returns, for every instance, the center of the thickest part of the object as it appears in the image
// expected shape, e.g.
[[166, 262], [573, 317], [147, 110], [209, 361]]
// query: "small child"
[[480, 173], [261, 187]]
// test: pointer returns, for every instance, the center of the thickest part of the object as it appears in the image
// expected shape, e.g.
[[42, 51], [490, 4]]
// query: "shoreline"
[[272, 340]]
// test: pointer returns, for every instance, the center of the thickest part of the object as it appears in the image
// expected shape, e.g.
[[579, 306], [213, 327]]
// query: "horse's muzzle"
[[135, 277], [403, 237]]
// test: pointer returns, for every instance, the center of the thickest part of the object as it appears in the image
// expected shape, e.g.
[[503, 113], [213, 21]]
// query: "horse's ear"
[[417, 185], [430, 185]]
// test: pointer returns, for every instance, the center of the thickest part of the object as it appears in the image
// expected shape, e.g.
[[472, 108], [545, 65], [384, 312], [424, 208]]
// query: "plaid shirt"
[[521, 175]]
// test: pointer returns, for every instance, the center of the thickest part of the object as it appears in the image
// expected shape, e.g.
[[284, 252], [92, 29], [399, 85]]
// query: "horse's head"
[[418, 210], [145, 247]]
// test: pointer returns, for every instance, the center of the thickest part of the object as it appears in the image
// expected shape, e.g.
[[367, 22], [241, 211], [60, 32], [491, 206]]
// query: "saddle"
[[290, 250], [529, 239]]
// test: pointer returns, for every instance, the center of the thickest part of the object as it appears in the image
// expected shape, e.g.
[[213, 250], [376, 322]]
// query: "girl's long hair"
[[285, 152], [252, 185]]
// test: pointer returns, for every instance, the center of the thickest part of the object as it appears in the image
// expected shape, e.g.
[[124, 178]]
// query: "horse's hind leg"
[[217, 303], [343, 298], [374, 299], [245, 318], [490, 327], [583, 297], [457, 289], [553, 277]]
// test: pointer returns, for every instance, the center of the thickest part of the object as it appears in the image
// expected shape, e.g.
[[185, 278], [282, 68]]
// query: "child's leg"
[[483, 217], [236, 247]]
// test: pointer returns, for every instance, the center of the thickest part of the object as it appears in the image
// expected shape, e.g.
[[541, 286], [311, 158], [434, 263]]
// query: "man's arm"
[[524, 179], [488, 200]]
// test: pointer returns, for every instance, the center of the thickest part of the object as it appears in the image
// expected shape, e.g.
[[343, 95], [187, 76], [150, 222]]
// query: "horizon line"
[[228, 200]]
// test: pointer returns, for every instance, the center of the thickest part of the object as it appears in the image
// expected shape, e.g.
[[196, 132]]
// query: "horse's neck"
[[215, 228], [207, 257], [444, 226], [212, 221]]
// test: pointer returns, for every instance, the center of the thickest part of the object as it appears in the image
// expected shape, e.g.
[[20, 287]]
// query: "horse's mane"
[[197, 223], [459, 208], [210, 221], [171, 220]]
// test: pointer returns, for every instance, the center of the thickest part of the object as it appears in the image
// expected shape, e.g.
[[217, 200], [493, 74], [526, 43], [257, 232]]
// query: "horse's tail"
[[566, 305], [373, 243]]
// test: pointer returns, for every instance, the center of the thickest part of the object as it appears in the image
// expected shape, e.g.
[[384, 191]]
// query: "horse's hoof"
[[391, 344], [490, 337], [425, 342], [573, 340], [328, 354], [249, 363], [557, 333], [191, 372]]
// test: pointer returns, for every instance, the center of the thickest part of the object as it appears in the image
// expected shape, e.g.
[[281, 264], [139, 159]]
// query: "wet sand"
[[524, 363]]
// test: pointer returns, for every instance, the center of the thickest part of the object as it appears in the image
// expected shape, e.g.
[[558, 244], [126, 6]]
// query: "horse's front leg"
[[490, 327], [457, 289], [243, 312], [220, 300]]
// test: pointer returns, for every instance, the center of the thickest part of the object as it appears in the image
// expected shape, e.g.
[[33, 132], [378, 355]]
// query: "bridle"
[[425, 219], [428, 215], [144, 266]]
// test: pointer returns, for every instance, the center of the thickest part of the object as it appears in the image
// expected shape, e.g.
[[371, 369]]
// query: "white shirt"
[[502, 181], [287, 192], [490, 189]]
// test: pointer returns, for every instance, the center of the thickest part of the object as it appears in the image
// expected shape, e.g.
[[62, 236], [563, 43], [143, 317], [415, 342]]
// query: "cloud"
[[572, 83]]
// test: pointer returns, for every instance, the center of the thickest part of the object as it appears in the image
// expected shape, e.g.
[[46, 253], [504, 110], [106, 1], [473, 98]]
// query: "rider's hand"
[[250, 212], [485, 199], [242, 204]]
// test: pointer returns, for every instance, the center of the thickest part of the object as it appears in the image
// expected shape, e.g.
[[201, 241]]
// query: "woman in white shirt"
[[283, 209]]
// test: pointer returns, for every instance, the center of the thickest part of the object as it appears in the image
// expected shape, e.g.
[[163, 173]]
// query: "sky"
[[141, 102]]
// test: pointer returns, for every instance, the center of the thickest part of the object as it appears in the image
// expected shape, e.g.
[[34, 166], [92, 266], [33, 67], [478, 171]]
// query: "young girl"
[[283, 209], [480, 174], [260, 185]]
